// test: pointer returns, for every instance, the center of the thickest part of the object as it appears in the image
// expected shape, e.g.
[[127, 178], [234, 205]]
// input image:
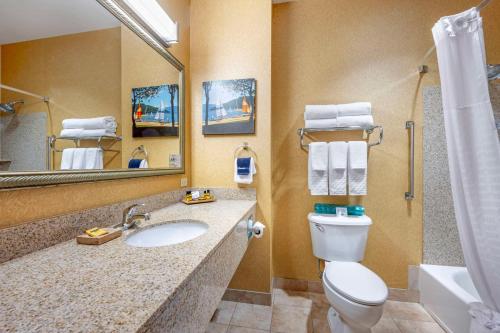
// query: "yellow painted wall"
[[80, 73], [24, 205], [141, 67], [343, 51], [232, 40]]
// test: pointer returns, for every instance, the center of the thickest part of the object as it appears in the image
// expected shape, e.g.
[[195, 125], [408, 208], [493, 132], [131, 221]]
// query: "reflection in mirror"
[[80, 91]]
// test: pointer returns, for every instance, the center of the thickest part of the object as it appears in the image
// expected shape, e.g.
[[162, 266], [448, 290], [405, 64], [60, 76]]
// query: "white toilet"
[[356, 294]]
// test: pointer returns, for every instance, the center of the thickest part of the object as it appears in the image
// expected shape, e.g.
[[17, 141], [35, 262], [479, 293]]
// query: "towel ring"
[[244, 147], [140, 150]]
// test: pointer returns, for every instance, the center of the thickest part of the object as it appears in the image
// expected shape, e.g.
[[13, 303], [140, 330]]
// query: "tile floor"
[[300, 311]]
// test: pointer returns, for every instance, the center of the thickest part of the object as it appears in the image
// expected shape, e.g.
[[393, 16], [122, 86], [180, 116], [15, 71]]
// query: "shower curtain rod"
[[43, 98], [423, 68], [483, 4]]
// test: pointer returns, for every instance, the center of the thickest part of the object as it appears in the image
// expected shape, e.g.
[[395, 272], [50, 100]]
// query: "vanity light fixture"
[[152, 14]]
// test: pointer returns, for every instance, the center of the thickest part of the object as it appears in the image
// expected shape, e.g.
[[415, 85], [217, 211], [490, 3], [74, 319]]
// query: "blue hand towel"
[[243, 166], [134, 163]]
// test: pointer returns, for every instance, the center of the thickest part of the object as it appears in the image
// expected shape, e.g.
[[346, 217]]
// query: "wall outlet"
[[184, 182]]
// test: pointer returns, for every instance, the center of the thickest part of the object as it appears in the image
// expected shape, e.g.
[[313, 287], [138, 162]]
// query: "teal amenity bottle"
[[353, 210]]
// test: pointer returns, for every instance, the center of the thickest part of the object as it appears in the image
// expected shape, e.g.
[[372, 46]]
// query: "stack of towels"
[[82, 158], [338, 168], [89, 127], [340, 115]]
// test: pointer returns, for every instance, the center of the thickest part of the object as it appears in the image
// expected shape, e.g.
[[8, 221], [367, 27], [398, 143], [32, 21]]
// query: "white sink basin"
[[168, 233]]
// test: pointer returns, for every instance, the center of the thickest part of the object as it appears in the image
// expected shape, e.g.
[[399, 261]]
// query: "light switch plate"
[[184, 182]]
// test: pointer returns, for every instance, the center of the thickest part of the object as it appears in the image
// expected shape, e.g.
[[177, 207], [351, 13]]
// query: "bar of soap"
[[96, 232]]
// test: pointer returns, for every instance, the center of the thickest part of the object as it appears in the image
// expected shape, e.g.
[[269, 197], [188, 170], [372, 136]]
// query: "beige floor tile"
[[252, 316], [386, 325], [408, 311], [288, 319], [410, 326], [216, 328], [238, 329], [321, 326], [224, 312], [292, 298]]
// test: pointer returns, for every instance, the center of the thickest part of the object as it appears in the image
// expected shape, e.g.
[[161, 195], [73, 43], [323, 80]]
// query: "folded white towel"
[[332, 111], [321, 123], [244, 179], [318, 179], [355, 121], [67, 158], [319, 154], [337, 171], [83, 133], [358, 167], [107, 122], [144, 164], [313, 112], [355, 109], [93, 158], [78, 159]]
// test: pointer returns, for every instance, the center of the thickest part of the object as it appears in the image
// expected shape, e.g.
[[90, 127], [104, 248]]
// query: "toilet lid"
[[355, 282]]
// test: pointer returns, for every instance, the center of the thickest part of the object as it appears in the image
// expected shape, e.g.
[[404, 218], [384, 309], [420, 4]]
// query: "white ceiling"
[[22, 20]]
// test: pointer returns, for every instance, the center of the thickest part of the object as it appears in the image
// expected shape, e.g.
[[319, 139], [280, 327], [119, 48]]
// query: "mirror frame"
[[122, 12]]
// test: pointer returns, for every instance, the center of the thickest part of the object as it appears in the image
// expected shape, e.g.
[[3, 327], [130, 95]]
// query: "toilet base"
[[337, 325]]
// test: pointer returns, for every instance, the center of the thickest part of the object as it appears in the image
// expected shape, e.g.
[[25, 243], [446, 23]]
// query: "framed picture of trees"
[[228, 106], [155, 111]]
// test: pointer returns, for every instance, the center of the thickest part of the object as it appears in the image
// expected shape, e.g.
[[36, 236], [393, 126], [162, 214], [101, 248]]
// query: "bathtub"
[[446, 292]]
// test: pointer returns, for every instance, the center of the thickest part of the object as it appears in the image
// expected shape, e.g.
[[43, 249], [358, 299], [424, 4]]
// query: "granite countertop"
[[111, 287]]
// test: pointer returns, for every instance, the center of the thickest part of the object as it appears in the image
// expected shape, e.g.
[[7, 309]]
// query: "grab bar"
[[411, 194]]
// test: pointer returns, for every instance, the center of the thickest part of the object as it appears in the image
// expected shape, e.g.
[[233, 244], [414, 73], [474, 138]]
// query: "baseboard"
[[395, 294]]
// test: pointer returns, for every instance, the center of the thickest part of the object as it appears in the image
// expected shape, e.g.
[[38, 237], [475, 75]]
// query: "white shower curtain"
[[474, 157]]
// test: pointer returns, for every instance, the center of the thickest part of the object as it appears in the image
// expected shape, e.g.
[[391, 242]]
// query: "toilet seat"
[[355, 282]]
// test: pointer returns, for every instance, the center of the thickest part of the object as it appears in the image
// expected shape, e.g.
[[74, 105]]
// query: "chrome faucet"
[[130, 216]]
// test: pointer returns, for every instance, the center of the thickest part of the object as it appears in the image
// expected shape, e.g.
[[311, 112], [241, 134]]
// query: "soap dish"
[[87, 240]]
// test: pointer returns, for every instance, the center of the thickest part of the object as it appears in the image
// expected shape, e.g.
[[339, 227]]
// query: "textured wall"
[[141, 67], [79, 72], [24, 205], [344, 51], [23, 141], [441, 239], [232, 40]]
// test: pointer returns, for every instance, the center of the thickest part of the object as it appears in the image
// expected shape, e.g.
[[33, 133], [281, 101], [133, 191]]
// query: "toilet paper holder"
[[254, 228]]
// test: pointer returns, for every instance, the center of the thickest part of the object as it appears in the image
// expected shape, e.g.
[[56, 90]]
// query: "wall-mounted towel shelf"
[[367, 129], [77, 140]]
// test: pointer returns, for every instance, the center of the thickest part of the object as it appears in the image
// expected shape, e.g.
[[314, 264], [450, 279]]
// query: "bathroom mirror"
[[88, 91]]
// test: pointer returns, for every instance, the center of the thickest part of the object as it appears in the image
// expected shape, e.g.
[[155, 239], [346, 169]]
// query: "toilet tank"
[[339, 238]]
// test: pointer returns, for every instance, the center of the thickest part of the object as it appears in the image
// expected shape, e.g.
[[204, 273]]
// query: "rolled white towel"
[[332, 111], [107, 122], [82, 133], [355, 121], [321, 123]]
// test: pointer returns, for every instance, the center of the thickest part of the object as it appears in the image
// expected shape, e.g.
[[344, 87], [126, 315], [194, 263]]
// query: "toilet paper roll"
[[258, 229]]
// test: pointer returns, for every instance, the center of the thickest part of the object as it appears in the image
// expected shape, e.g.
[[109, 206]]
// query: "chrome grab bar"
[[411, 194]]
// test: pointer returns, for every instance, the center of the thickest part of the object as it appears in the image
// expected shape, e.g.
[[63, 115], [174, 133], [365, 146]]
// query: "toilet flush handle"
[[319, 227]]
